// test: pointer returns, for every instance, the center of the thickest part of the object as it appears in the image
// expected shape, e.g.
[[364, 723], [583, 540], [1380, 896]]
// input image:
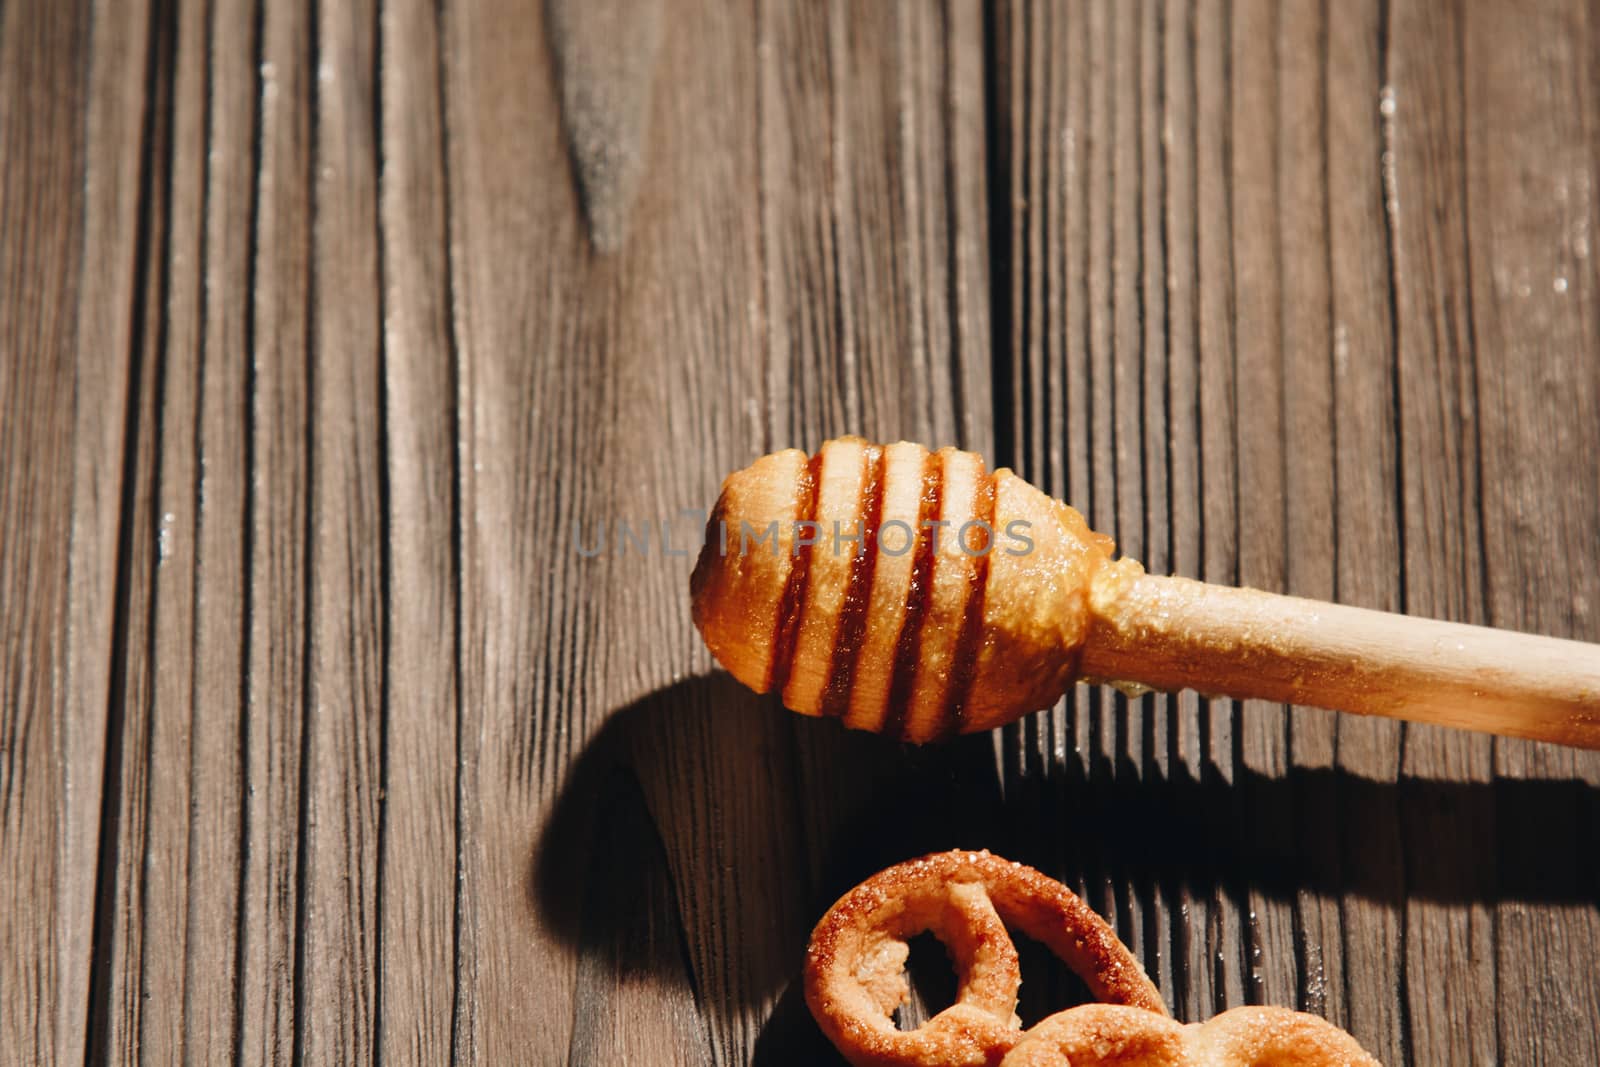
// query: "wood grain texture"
[[330, 333], [1535, 324], [793, 239], [183, 828], [1306, 338], [179, 841], [72, 134], [604, 59], [337, 970], [417, 874]]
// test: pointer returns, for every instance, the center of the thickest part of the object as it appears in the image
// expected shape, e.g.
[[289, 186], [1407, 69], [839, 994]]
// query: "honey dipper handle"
[[1175, 633]]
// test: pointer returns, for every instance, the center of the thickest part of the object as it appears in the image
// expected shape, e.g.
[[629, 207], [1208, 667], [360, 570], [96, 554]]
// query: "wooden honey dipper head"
[[918, 595], [905, 591]]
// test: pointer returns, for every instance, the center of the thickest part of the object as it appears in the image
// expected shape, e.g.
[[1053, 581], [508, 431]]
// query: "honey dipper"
[[918, 595]]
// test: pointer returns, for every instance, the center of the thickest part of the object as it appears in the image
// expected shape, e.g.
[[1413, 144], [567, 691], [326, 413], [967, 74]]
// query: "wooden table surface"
[[330, 333]]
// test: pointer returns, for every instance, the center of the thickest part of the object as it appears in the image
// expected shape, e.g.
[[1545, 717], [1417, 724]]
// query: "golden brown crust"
[[854, 975], [855, 978], [1105, 1035]]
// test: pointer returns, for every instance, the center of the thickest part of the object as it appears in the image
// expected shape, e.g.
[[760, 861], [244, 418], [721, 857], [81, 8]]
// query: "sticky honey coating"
[[907, 485], [738, 586], [1036, 615], [843, 484], [906, 592]]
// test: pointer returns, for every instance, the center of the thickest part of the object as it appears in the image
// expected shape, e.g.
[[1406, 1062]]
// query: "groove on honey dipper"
[[791, 607], [908, 649], [853, 617], [970, 642]]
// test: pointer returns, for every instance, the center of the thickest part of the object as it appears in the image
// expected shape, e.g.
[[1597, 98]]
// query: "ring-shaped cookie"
[[1106, 1035], [855, 963]]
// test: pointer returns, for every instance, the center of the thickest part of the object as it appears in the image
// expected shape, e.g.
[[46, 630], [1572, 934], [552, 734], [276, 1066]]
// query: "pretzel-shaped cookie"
[[1108, 1035], [855, 963]]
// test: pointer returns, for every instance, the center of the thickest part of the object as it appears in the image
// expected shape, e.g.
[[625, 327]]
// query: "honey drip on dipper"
[[919, 595]]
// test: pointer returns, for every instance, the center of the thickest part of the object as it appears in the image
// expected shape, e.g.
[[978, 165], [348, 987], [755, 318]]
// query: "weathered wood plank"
[[337, 976], [174, 946], [117, 138], [562, 356], [1092, 366], [876, 321], [133, 892], [1299, 295], [796, 264], [1532, 192], [506, 166], [40, 50], [1310, 531], [145, 994], [279, 534], [1368, 560], [1209, 939], [1262, 68], [220, 501], [417, 876], [179, 825], [1450, 966], [1314, 366], [72, 133]]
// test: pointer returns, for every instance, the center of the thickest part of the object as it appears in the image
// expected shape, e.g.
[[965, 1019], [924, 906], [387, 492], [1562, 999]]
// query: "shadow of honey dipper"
[[639, 874], [696, 839]]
